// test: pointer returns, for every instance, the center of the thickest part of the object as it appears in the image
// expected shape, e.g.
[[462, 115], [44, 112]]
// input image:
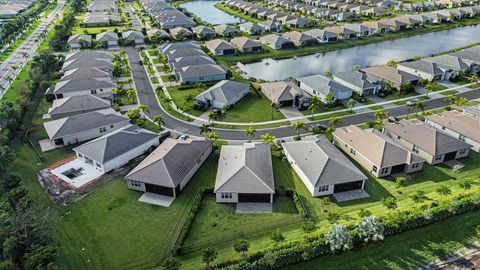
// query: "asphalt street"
[[25, 51], [147, 96]]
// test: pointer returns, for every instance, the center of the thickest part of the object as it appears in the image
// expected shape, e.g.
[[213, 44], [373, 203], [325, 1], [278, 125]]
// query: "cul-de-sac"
[[240, 134]]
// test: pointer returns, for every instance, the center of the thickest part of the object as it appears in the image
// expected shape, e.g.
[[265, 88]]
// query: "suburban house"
[[180, 33], [84, 127], [429, 143], [245, 174], [473, 111], [322, 36], [270, 26], [78, 87], [358, 82], [117, 148], [133, 37], [390, 74], [378, 26], [219, 47], [223, 93], [246, 45], [203, 32], [79, 41], [86, 72], [195, 60], [201, 73], [108, 38], [321, 86], [300, 39], [449, 64], [251, 28], [157, 35], [88, 59], [168, 169], [426, 70], [285, 93], [360, 30], [381, 156], [225, 30], [276, 42], [70, 106], [470, 58], [458, 125], [341, 32], [322, 167]]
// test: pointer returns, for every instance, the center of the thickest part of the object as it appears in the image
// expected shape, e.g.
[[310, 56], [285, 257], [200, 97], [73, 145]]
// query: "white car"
[[184, 137]]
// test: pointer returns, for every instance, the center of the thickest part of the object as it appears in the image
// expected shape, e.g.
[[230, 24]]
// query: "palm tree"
[[329, 98], [429, 87], [204, 129], [129, 81], [143, 108], [250, 131], [273, 105], [461, 101], [356, 66], [268, 138], [419, 106], [351, 104], [297, 126], [473, 79], [211, 116], [328, 73], [392, 63], [159, 120], [380, 114], [131, 93], [451, 99], [314, 104], [212, 135], [334, 122]]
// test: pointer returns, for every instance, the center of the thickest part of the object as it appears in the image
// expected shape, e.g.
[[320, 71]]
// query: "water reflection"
[[368, 55], [207, 11]]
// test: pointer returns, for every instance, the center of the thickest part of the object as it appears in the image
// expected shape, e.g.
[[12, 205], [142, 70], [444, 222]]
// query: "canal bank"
[[206, 11], [365, 55]]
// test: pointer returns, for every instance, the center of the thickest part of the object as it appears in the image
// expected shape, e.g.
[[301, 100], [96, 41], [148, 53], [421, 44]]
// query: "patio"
[[350, 195], [156, 199], [75, 173], [254, 208]]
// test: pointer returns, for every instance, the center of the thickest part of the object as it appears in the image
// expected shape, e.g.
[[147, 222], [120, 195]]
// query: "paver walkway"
[[350, 195], [156, 199], [260, 208]]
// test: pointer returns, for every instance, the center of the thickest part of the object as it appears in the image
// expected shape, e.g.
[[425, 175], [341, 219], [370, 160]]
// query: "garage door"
[[253, 197], [398, 168], [347, 186], [450, 156], [159, 190], [286, 103]]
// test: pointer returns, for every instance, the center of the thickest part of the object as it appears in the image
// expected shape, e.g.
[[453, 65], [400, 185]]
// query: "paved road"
[[147, 96], [25, 51]]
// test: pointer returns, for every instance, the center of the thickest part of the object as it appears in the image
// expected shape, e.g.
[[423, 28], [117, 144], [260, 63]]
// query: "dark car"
[[393, 119], [321, 127]]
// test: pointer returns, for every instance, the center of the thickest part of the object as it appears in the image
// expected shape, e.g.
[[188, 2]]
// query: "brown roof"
[[279, 91], [390, 74], [376, 147], [219, 44], [464, 124], [169, 164], [244, 42], [425, 137]]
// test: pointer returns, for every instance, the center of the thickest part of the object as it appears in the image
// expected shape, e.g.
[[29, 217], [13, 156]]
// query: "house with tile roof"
[[224, 93]]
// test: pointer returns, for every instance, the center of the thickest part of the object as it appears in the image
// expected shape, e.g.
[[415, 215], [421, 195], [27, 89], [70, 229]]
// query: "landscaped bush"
[[302, 210], [187, 224], [315, 246]]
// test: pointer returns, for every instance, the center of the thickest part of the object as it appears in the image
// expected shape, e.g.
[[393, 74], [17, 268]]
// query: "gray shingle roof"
[[424, 66], [77, 104], [356, 78], [115, 144], [324, 85], [322, 162], [170, 163], [84, 72], [224, 91], [81, 85], [191, 61], [82, 122], [200, 70], [245, 168]]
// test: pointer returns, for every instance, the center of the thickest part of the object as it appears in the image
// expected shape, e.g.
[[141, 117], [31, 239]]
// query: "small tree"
[[333, 217], [298, 126], [328, 73], [370, 230], [277, 236], [334, 122], [392, 63], [400, 182], [364, 213], [339, 238], [209, 254], [461, 101], [390, 203], [250, 131], [268, 138], [428, 87], [329, 98], [241, 246], [444, 190], [456, 170], [213, 136], [172, 264], [473, 79], [419, 196], [351, 104], [273, 105], [465, 185], [211, 116], [451, 99], [159, 120], [314, 105]]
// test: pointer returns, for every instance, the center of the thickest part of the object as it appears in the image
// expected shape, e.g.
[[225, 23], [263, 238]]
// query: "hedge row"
[[302, 210], [315, 246], [187, 224]]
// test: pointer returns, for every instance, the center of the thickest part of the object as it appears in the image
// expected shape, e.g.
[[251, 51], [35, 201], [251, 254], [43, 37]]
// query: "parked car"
[[412, 102], [393, 119], [165, 134], [184, 137], [321, 127]]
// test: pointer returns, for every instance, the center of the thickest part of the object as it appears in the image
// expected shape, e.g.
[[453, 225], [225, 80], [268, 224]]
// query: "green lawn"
[[449, 92], [179, 95], [254, 107], [438, 87], [236, 13], [408, 250], [217, 221], [19, 84]]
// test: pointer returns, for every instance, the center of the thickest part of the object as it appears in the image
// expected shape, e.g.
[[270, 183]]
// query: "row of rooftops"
[[13, 8], [188, 60], [169, 17]]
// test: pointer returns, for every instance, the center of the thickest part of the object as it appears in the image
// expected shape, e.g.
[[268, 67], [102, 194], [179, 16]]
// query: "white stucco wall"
[[92, 133]]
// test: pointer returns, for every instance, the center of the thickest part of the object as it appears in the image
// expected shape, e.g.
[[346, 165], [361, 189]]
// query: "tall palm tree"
[[473, 79], [451, 99], [204, 129], [131, 93], [273, 105], [211, 116], [351, 104], [428, 87], [298, 126], [314, 105], [159, 120], [250, 131], [380, 114], [143, 108], [334, 122], [419, 105]]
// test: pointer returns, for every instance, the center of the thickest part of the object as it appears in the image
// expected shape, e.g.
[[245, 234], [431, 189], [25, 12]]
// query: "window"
[[443, 127], [93, 92], [461, 137], [384, 171], [111, 126], [415, 149], [136, 183], [353, 151], [322, 188], [398, 137], [102, 129], [462, 152], [415, 165], [101, 90], [439, 157], [227, 195], [375, 168]]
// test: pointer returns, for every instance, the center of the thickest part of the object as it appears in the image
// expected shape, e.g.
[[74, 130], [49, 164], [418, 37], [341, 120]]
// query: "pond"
[[208, 13], [367, 55]]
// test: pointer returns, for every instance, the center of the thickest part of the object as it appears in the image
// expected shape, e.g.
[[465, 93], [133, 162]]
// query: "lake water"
[[207, 11], [367, 55]]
